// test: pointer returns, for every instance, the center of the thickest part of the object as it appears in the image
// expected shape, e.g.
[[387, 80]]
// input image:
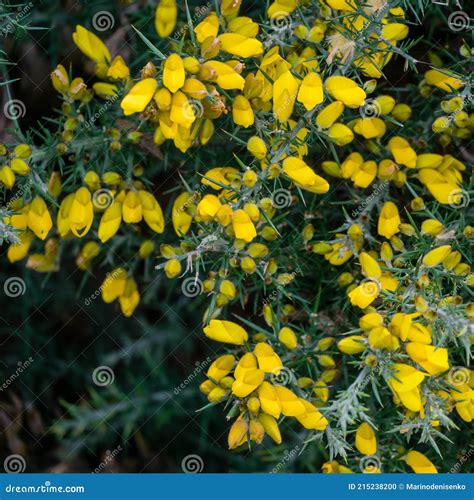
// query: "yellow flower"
[[247, 362], [443, 80], [60, 79], [370, 127], [39, 219], [329, 114], [132, 211], [19, 251], [243, 226], [237, 434], [208, 27], [257, 147], [354, 344], [242, 112], [402, 152], [271, 426], [341, 134], [445, 190], [105, 90], [226, 331], [365, 175], [225, 76], [433, 359], [269, 401], [303, 175], [291, 404], [312, 418], [130, 298], [285, 90], [118, 69], [221, 367], [88, 252], [172, 268], [139, 96], [288, 338], [268, 360], [114, 285], [240, 45], [182, 112], [432, 227], [419, 463], [110, 222], [365, 440], [165, 17], [90, 45], [81, 214], [405, 383], [311, 91], [7, 177], [152, 212], [208, 207], [345, 90], [180, 218], [363, 295], [389, 220], [436, 256], [247, 382], [370, 320], [370, 266]]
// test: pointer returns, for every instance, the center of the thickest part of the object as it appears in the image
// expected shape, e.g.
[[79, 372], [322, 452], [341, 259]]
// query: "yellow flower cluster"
[[302, 112]]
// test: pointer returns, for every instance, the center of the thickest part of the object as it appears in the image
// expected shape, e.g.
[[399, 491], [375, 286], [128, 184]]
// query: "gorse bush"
[[301, 171]]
